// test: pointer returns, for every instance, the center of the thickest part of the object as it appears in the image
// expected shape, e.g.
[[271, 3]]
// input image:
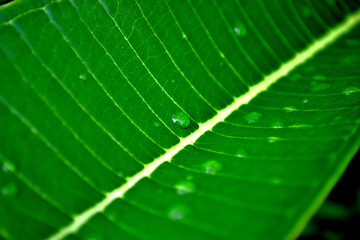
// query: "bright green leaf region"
[[169, 119]]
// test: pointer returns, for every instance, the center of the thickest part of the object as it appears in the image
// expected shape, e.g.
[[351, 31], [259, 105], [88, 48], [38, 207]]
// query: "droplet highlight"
[[350, 90], [212, 167], [157, 124], [253, 117], [240, 30], [241, 153], [8, 166], [185, 187], [277, 125], [289, 109], [177, 213], [181, 119], [83, 77]]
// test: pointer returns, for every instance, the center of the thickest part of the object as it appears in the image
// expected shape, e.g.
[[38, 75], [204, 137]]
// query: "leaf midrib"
[[283, 70]]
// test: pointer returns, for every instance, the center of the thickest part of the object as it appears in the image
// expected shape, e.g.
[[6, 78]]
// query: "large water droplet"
[[185, 187], [289, 109], [320, 86], [240, 30], [253, 117], [181, 119], [241, 153], [277, 125], [212, 167], [9, 190], [83, 77], [177, 213], [350, 90]]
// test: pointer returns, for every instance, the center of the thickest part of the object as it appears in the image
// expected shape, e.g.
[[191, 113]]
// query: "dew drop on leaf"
[[350, 90], [185, 187], [181, 119], [241, 153], [8, 166], [320, 86], [156, 124], [273, 139], [177, 213], [240, 30], [253, 117], [289, 109], [82, 77], [305, 101], [277, 125], [9, 190], [212, 167]]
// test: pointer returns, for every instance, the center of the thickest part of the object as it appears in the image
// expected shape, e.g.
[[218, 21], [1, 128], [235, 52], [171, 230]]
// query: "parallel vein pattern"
[[92, 95]]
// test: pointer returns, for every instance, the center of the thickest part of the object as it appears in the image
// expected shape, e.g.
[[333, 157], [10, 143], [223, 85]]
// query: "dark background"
[[339, 216]]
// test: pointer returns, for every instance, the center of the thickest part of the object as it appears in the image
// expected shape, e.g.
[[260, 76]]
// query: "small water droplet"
[[173, 81], [320, 86], [289, 109], [253, 117], [240, 30], [350, 90], [273, 139], [241, 153], [157, 124], [8, 166], [9, 190], [181, 119], [212, 167], [305, 101], [277, 125], [185, 187], [178, 212], [83, 77], [222, 55], [183, 35]]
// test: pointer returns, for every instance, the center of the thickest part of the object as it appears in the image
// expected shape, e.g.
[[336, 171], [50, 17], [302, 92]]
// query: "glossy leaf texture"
[[167, 119]]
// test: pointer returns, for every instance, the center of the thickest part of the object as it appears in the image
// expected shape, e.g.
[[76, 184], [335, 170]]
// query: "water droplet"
[[240, 30], [305, 101], [173, 81], [177, 213], [183, 35], [8, 166], [319, 77], [241, 153], [181, 119], [222, 55], [212, 167], [273, 139], [350, 90], [82, 77], [9, 190], [277, 125], [320, 86], [253, 117], [157, 124], [185, 187], [289, 109]]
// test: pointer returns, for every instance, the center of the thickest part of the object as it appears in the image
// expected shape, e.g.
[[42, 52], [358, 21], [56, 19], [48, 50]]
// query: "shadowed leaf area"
[[167, 119]]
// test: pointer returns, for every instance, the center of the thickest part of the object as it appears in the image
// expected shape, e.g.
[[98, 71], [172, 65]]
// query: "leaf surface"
[[144, 119]]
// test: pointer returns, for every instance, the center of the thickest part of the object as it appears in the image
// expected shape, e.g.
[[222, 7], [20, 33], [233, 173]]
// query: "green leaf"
[[206, 119]]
